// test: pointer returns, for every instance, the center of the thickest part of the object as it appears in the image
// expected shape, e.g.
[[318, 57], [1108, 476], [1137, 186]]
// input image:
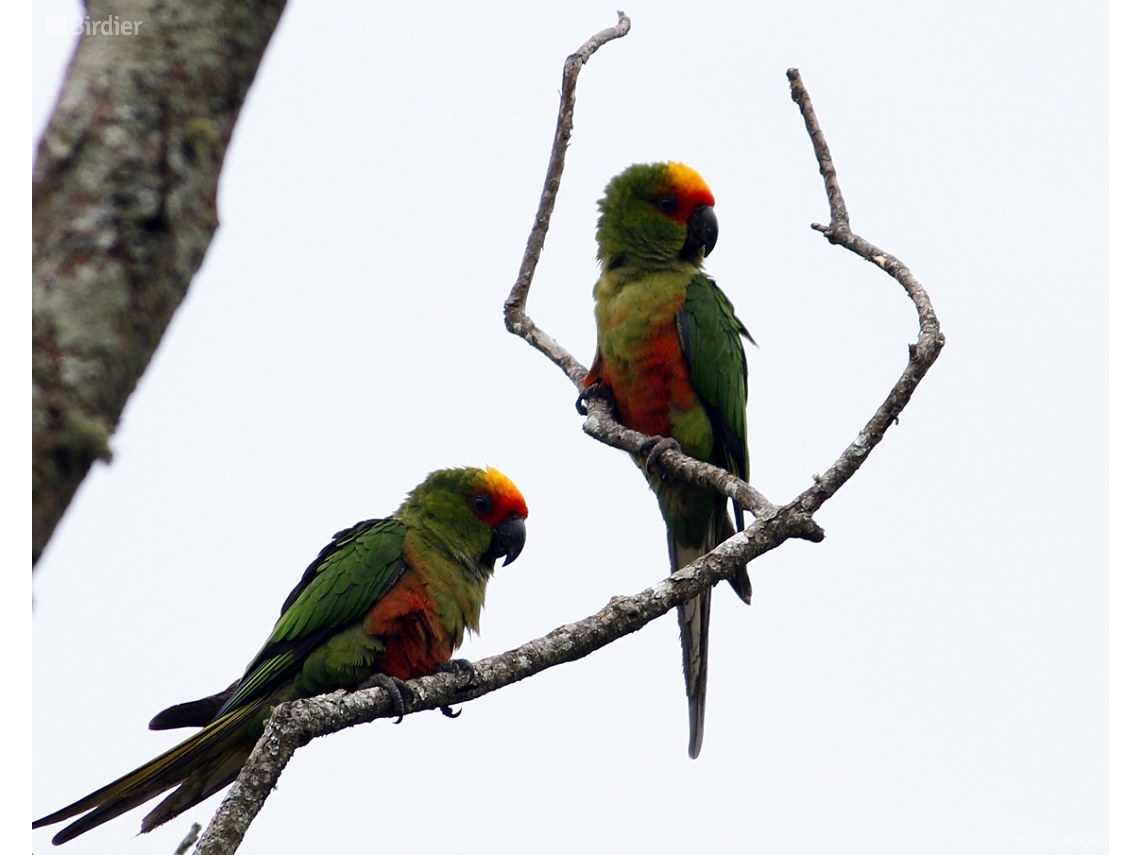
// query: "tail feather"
[[104, 813], [197, 713], [693, 617], [214, 748], [740, 582], [196, 788]]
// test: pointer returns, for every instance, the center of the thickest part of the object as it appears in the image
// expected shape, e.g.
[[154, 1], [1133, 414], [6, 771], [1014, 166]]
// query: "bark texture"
[[123, 208]]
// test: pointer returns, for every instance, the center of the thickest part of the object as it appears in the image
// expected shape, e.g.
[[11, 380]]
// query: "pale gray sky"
[[933, 677]]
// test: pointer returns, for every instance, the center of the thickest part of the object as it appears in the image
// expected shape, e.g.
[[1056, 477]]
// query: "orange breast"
[[655, 379], [415, 644]]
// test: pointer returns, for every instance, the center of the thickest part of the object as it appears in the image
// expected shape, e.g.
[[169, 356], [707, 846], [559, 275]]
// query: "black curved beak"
[[507, 538], [702, 232]]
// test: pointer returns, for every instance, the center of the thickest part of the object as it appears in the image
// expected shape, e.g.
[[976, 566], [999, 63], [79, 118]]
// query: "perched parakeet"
[[670, 352], [391, 596]]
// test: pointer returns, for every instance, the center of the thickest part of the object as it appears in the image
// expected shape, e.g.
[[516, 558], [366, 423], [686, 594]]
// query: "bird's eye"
[[481, 503], [666, 204]]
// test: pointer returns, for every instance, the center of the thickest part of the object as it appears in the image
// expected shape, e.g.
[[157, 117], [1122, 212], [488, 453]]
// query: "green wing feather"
[[354, 571], [711, 340]]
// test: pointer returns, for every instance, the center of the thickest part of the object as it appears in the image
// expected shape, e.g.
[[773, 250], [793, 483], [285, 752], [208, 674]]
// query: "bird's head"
[[656, 214], [477, 513]]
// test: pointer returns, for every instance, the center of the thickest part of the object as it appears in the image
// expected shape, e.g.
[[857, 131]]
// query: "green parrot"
[[388, 597], [670, 353]]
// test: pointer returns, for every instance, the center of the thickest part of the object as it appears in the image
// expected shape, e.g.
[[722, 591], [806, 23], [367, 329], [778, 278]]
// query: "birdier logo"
[[85, 25]]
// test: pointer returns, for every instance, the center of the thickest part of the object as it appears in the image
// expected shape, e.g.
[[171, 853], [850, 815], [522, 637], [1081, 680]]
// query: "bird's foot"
[[464, 669], [396, 690], [461, 667], [652, 449], [594, 390]]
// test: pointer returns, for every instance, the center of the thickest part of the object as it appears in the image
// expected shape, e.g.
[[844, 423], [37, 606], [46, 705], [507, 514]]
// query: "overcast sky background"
[[932, 677]]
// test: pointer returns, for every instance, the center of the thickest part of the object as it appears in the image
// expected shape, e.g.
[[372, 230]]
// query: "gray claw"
[[393, 687], [653, 448]]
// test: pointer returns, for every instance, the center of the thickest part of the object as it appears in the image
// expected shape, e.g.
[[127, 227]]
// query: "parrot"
[[386, 598], [670, 353]]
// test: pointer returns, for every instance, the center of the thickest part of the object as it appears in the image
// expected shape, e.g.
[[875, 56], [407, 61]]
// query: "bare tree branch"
[[515, 309], [295, 724], [189, 840], [123, 209], [922, 353]]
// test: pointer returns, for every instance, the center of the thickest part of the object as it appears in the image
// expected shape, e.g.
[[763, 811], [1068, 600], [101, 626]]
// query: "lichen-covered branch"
[[295, 724], [123, 209], [602, 426]]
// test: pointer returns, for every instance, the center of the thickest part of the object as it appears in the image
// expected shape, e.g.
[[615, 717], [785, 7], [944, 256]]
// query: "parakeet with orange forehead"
[[389, 597], [670, 352]]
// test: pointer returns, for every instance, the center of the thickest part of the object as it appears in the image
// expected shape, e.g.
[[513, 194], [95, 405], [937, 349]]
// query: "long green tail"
[[203, 764]]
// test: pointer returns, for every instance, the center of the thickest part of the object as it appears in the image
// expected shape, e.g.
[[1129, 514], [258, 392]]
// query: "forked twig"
[[922, 353], [515, 309]]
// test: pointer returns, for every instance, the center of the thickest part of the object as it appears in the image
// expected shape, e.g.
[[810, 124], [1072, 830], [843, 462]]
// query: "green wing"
[[710, 339], [354, 571]]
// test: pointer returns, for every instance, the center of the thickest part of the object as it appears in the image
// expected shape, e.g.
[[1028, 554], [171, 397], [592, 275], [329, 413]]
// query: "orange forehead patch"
[[505, 494], [687, 184]]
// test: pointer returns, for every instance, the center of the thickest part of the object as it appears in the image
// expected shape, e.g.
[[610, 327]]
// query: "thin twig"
[[514, 311], [189, 840], [839, 217]]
